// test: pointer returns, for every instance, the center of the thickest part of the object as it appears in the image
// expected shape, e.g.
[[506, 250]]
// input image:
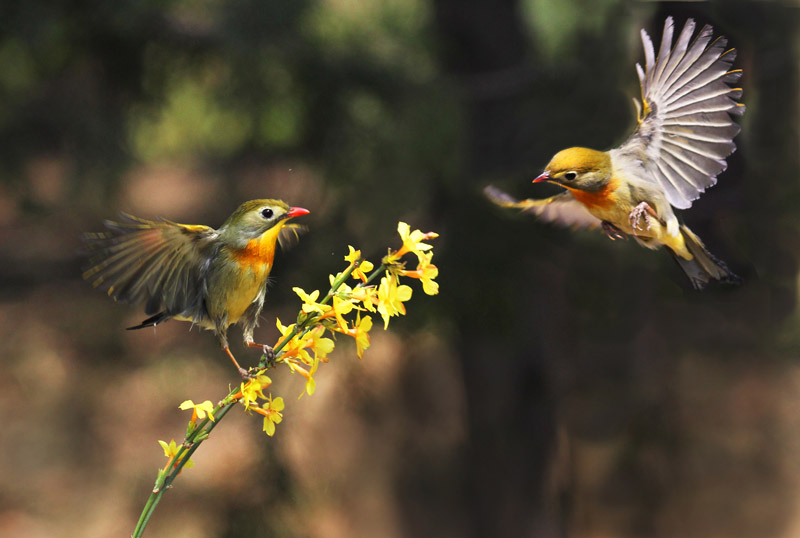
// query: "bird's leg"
[[612, 231], [269, 353], [244, 373], [642, 212]]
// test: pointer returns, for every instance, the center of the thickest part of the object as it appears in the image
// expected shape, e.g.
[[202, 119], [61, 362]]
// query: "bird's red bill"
[[297, 212], [543, 177]]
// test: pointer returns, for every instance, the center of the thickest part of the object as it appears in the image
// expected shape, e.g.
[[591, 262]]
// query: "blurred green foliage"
[[594, 379]]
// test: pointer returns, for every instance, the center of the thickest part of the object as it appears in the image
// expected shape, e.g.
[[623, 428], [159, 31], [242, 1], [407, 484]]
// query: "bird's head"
[[252, 219], [578, 168]]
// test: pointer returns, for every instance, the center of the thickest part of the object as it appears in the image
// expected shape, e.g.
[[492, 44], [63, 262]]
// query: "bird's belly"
[[617, 215], [229, 298], [649, 231], [240, 298]]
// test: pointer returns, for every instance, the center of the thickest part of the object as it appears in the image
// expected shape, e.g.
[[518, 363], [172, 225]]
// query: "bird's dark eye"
[[267, 213], [569, 176]]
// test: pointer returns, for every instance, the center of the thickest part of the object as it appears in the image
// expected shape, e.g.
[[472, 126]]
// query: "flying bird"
[[684, 134]]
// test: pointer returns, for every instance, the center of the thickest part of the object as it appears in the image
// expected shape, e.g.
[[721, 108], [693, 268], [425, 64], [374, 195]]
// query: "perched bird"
[[684, 134], [211, 278]]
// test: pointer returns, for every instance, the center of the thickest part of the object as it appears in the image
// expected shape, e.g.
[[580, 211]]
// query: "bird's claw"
[[640, 213], [269, 354], [612, 232], [245, 373]]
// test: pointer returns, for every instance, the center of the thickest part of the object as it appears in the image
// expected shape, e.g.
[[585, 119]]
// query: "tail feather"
[[704, 267], [152, 321]]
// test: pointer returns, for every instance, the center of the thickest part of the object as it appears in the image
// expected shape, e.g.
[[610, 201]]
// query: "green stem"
[[193, 441], [298, 329], [149, 508], [373, 276], [165, 479]]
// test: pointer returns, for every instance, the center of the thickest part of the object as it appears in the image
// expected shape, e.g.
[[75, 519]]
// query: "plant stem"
[[193, 441]]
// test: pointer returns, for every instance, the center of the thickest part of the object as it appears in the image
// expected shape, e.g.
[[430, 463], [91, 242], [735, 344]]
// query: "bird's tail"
[[704, 267], [152, 321]]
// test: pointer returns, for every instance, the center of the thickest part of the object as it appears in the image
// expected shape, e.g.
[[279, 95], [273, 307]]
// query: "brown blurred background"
[[561, 385]]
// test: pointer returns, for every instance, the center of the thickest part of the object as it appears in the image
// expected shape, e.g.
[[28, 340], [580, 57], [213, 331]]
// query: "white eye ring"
[[267, 213], [570, 176]]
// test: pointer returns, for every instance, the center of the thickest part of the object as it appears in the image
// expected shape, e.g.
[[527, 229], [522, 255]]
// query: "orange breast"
[[258, 254], [601, 199]]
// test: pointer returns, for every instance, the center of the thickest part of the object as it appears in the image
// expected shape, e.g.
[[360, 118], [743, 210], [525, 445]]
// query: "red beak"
[[543, 177], [296, 212]]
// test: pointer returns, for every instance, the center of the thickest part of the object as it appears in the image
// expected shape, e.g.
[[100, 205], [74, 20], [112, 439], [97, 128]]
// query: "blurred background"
[[561, 385]]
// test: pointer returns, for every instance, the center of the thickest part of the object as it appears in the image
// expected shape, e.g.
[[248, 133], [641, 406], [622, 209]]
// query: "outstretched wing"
[[685, 128], [561, 209], [161, 263]]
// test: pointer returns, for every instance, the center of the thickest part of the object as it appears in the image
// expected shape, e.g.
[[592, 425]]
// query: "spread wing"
[[561, 209], [685, 128], [161, 263]]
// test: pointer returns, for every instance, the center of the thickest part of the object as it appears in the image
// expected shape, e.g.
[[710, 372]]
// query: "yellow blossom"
[[367, 296], [310, 385], [285, 332], [342, 307], [199, 410], [361, 334], [412, 241], [271, 409], [310, 304], [364, 267], [391, 297], [295, 347], [252, 389], [425, 272], [171, 451], [319, 345]]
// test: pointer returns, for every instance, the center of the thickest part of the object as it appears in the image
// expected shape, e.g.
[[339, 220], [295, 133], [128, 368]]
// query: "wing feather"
[[663, 53], [678, 175], [159, 263], [686, 129], [561, 209]]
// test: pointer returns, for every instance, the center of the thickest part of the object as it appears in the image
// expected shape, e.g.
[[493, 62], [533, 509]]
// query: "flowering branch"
[[345, 309]]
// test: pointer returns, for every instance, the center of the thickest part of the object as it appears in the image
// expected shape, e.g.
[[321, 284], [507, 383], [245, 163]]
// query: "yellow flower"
[[361, 334], [271, 409], [199, 410], [364, 267], [391, 298], [310, 385], [284, 330], [425, 272], [412, 241], [368, 296], [294, 347], [310, 304], [252, 389], [171, 451], [319, 345], [342, 307]]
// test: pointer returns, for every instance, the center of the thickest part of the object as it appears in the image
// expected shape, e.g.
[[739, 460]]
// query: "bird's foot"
[[640, 213], [245, 373], [269, 353], [612, 232]]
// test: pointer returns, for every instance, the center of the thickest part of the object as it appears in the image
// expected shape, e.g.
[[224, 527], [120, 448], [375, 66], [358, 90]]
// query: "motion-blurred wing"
[[561, 209], [685, 128], [160, 263]]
